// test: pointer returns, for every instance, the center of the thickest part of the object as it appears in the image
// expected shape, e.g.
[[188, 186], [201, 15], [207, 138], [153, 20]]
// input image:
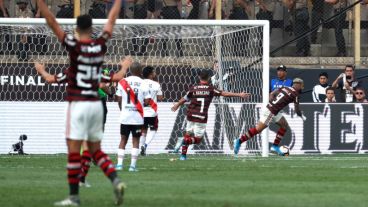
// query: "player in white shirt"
[[150, 111], [132, 95]]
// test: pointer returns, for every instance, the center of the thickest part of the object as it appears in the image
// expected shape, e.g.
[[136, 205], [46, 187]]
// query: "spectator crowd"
[[301, 14]]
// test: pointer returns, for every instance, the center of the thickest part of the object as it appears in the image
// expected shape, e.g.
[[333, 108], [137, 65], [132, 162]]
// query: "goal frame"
[[160, 22]]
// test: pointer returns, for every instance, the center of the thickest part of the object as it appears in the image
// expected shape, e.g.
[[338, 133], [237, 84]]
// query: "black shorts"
[[151, 122], [136, 130]]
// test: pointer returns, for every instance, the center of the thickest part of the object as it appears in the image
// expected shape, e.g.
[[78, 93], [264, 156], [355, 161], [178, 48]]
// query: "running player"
[[200, 97], [279, 99], [84, 113], [150, 111], [132, 95]]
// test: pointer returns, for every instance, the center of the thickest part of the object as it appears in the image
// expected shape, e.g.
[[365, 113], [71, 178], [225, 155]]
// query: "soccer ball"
[[285, 149]]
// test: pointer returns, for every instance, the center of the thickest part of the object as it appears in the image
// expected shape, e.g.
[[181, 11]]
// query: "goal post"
[[176, 49]]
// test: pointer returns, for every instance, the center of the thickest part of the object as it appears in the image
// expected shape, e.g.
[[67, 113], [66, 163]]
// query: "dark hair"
[[84, 22], [330, 89], [136, 69], [204, 75], [350, 66], [148, 70], [360, 89], [323, 74]]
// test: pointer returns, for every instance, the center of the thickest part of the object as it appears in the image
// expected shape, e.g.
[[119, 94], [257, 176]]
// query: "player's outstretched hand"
[[175, 107], [244, 95], [127, 61], [45, 75], [39, 67]]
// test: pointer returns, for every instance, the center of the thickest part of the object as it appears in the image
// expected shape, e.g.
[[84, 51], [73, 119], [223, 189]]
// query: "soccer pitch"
[[335, 180]]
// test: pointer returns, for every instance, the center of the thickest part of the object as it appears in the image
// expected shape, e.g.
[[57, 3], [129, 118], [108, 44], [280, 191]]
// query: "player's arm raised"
[[124, 66], [231, 94], [182, 101], [44, 74], [113, 15], [178, 104], [51, 20]]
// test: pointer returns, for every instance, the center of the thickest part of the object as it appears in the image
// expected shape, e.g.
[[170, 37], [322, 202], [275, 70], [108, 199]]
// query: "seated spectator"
[[347, 83], [66, 9], [98, 9], [23, 40], [330, 95], [281, 80], [360, 95], [3, 11], [319, 90]]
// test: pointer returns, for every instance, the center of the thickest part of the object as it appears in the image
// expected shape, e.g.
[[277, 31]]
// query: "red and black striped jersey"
[[84, 73], [282, 98], [200, 97]]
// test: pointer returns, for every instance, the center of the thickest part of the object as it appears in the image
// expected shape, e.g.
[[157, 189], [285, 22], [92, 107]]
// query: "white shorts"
[[267, 117], [198, 129], [84, 121]]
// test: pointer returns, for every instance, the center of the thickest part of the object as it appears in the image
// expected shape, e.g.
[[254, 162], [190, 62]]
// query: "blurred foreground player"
[[84, 113], [200, 97], [279, 99], [150, 125]]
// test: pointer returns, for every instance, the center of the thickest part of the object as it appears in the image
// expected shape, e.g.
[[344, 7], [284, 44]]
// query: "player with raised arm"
[[200, 97], [132, 95], [150, 111], [84, 113], [279, 99]]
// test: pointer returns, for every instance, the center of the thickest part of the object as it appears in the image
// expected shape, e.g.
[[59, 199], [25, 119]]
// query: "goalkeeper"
[[105, 91]]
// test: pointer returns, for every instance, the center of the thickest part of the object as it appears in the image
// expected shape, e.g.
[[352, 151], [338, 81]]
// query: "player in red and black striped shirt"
[[279, 99], [85, 111], [200, 97]]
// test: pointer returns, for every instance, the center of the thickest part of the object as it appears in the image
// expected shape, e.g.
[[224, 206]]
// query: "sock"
[[188, 140], [74, 170], [280, 133], [121, 153], [142, 140], [184, 149], [150, 136], [104, 162], [251, 132], [86, 161], [134, 153]]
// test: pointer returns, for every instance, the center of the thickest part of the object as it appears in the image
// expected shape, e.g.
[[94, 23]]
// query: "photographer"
[[347, 83]]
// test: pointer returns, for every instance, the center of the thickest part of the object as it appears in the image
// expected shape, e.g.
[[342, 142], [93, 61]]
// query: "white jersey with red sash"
[[133, 91], [154, 91]]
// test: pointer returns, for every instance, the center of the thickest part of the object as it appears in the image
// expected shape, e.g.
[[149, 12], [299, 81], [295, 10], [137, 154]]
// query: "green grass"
[[340, 180]]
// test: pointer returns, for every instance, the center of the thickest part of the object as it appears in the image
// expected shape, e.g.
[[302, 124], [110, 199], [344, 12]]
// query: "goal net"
[[236, 53]]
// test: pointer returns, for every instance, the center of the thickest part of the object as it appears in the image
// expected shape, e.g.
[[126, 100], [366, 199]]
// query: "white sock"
[[121, 153], [150, 136], [135, 152], [142, 140]]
